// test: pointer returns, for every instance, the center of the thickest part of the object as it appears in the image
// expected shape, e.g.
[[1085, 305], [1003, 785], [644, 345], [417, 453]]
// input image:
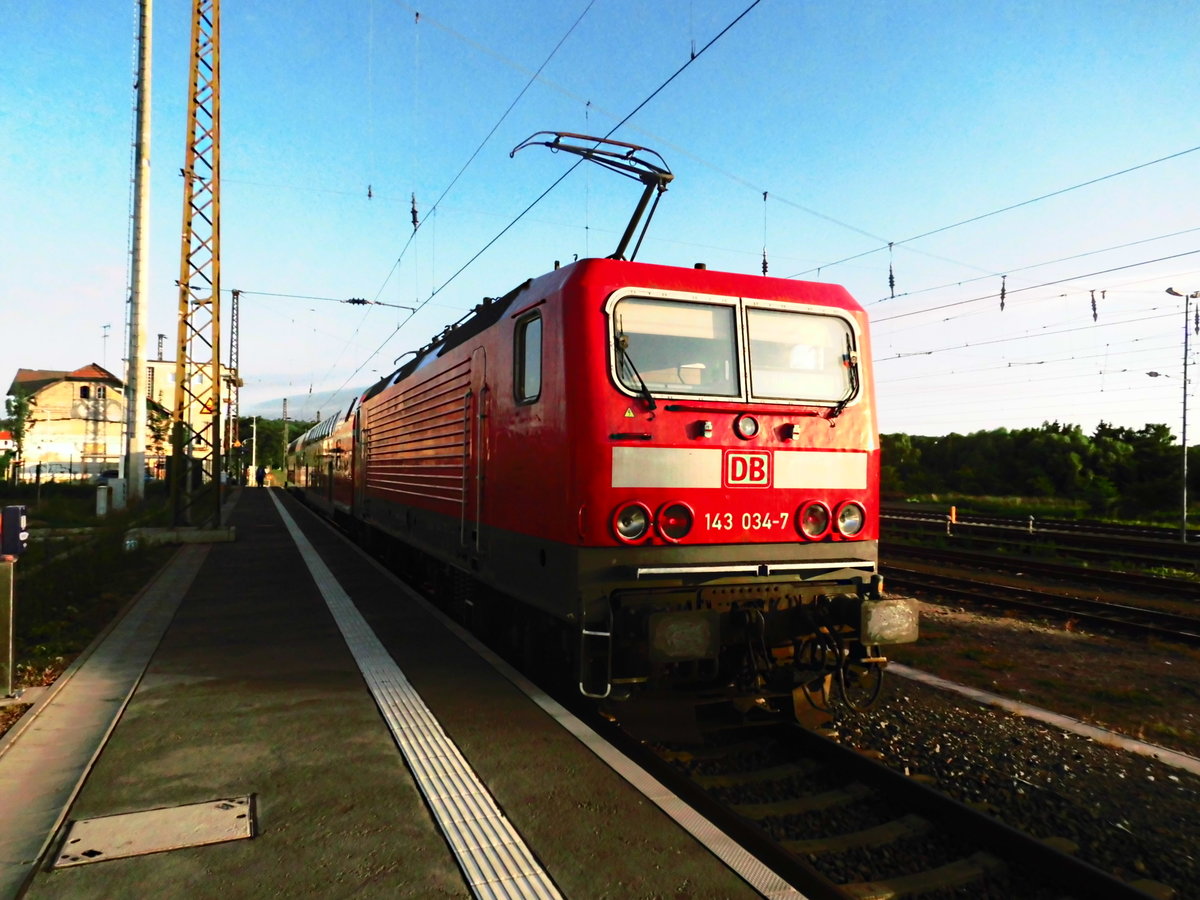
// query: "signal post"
[[14, 537]]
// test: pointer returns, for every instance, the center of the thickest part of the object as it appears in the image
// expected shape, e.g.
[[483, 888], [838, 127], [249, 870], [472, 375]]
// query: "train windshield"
[[665, 346], [799, 356]]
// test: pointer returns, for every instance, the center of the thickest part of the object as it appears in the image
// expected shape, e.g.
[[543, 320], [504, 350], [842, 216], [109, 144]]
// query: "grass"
[[1038, 507], [64, 600], [1160, 732], [62, 605], [1128, 696], [1050, 507], [67, 588]]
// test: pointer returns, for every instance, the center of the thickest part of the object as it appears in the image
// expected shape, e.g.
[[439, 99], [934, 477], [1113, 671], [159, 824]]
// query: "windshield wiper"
[[851, 362], [623, 350]]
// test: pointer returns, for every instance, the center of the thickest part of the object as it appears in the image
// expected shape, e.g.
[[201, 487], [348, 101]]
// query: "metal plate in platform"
[[156, 830]]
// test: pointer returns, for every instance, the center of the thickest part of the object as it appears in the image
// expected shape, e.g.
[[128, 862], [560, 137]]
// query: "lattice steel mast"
[[196, 431]]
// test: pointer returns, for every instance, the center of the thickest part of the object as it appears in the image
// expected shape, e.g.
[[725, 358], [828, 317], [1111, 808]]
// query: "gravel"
[[1131, 815]]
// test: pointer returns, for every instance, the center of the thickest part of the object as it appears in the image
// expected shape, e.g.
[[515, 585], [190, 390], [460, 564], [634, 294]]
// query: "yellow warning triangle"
[[628, 413]]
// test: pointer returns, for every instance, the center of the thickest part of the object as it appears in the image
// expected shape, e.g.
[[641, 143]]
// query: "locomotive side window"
[[527, 378], [676, 347], [799, 356]]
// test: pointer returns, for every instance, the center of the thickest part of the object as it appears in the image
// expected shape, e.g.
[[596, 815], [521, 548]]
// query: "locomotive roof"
[[492, 309], [482, 317]]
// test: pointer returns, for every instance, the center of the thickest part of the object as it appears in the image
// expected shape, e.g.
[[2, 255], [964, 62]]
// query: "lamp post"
[[1187, 298]]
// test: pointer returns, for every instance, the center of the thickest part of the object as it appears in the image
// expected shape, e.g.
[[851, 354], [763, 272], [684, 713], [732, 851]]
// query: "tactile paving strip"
[[493, 857]]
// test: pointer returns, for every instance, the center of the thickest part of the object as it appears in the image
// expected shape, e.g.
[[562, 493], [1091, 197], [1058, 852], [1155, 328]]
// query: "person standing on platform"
[[260, 476]]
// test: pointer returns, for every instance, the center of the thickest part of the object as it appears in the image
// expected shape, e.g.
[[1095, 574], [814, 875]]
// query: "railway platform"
[[279, 716]]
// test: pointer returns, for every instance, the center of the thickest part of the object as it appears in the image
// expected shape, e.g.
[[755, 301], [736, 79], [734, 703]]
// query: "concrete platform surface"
[[253, 692]]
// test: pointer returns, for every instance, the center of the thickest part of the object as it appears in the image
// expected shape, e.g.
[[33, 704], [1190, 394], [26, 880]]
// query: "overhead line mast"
[[139, 290], [196, 431]]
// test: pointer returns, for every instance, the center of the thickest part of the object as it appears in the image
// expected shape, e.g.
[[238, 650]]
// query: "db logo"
[[744, 469]]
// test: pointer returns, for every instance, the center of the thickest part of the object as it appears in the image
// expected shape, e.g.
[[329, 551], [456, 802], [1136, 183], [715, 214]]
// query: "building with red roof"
[[76, 421]]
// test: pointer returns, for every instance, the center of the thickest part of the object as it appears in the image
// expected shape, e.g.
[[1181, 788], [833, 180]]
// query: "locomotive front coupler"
[[885, 620], [874, 619]]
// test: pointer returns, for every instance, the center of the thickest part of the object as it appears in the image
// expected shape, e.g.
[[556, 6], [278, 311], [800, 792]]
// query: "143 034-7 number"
[[749, 521]]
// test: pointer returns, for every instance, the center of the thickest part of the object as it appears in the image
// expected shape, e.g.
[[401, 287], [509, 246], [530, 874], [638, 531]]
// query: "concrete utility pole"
[[135, 372], [1187, 325]]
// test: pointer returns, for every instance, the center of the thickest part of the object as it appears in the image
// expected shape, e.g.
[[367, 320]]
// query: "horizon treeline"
[[1114, 471]]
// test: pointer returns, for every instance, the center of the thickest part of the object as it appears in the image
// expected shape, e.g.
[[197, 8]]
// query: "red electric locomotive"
[[668, 476]]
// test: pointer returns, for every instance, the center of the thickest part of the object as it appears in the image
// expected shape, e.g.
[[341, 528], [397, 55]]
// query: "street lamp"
[[1187, 298]]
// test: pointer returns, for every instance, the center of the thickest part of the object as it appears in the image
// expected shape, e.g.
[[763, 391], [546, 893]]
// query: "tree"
[[1116, 469], [18, 419], [272, 448]]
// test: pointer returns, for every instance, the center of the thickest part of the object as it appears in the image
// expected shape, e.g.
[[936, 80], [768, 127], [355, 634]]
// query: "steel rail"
[[924, 816], [1159, 584], [1112, 615]]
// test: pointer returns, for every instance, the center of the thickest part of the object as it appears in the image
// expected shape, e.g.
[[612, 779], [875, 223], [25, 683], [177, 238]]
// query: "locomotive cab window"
[[527, 356], [800, 356], [676, 347]]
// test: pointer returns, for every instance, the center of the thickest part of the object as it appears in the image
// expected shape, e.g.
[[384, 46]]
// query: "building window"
[[85, 393], [101, 392], [528, 358]]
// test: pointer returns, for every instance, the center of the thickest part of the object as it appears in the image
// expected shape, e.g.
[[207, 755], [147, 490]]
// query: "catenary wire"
[[957, 303], [997, 212], [553, 185]]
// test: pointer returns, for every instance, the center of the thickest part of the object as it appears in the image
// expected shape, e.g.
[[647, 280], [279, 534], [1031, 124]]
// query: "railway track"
[[1138, 620], [839, 824], [1138, 547], [1075, 574], [1071, 526]]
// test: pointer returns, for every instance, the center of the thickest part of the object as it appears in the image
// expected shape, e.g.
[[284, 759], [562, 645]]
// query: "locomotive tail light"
[[631, 522], [851, 518], [674, 521], [746, 427], [814, 520]]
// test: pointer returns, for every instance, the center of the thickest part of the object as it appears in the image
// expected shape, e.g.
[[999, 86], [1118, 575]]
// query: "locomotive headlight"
[[851, 518], [674, 521], [814, 519], [746, 427], [631, 522]]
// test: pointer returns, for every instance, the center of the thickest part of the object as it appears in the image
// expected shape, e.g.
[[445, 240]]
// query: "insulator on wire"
[[764, 263], [1095, 315], [891, 274], [414, 211], [1003, 290], [369, 194]]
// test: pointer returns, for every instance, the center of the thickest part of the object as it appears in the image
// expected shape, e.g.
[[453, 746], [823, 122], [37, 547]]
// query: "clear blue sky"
[[865, 122]]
